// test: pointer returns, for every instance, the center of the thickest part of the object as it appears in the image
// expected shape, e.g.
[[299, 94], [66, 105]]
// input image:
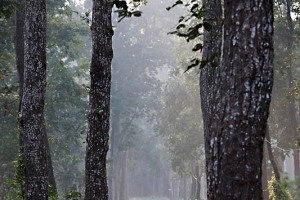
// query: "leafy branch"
[[191, 27]]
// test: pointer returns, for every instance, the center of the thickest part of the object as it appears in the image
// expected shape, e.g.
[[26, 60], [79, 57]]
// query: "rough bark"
[[32, 103], [240, 103], [19, 48], [99, 102], [212, 42]]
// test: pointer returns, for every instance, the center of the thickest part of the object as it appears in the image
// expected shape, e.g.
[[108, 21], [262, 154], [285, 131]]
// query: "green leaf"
[[201, 15], [203, 63], [194, 33], [181, 18], [180, 26], [194, 63], [172, 32], [137, 13], [197, 47], [214, 64], [194, 7], [207, 26], [121, 4], [179, 2]]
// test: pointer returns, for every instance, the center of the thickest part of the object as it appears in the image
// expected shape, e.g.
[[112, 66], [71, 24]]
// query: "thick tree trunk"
[[32, 103], [212, 45], [240, 103], [99, 101], [19, 48]]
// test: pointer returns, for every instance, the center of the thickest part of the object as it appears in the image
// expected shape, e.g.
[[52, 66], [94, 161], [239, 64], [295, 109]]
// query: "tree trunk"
[[184, 193], [52, 182], [211, 45], [196, 184], [113, 150], [271, 156], [291, 84], [99, 102], [193, 188], [123, 195], [240, 103], [198, 191], [19, 48], [264, 177], [32, 103]]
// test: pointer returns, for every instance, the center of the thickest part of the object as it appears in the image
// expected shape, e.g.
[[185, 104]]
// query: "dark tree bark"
[[212, 45], [19, 48], [99, 102], [32, 103], [240, 103]]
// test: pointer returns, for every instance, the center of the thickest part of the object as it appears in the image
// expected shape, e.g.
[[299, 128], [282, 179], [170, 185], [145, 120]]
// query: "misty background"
[[156, 136]]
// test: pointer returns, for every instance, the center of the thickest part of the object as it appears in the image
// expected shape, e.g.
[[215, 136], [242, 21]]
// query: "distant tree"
[[99, 102], [32, 106], [240, 101], [182, 128], [8, 103], [7, 8]]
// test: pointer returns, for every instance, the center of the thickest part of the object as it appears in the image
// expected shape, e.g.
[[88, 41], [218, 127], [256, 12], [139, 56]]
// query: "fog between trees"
[[156, 136]]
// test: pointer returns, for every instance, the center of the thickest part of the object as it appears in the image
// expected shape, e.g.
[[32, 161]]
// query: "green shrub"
[[278, 190]]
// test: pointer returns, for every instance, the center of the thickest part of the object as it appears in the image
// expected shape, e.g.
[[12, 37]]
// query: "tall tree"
[[19, 48], [32, 103], [291, 85], [240, 103], [99, 101], [212, 42]]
